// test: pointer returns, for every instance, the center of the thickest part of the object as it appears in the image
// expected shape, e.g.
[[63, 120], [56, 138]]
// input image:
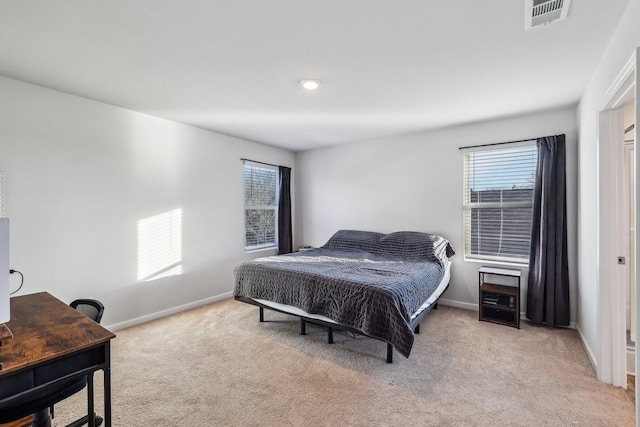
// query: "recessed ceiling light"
[[310, 84]]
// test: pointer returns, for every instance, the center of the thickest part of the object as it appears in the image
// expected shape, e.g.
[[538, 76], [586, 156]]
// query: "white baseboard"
[[173, 310], [590, 355], [458, 304], [474, 307], [631, 360], [164, 313]]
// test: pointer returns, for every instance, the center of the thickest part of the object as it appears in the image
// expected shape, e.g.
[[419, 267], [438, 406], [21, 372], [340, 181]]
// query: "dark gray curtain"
[[285, 240], [548, 286]]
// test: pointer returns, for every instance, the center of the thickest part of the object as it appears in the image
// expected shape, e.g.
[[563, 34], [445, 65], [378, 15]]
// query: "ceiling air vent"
[[541, 12]]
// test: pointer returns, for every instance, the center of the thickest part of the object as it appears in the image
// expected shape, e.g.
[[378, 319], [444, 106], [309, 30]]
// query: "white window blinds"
[[498, 202], [260, 206]]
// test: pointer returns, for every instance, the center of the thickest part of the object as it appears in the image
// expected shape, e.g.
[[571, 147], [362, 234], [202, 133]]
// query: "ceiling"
[[387, 66]]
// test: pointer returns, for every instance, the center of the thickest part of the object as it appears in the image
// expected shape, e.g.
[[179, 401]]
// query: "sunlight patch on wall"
[[160, 245]]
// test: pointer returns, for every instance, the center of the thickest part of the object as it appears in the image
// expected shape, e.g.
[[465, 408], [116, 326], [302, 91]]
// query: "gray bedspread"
[[368, 281]]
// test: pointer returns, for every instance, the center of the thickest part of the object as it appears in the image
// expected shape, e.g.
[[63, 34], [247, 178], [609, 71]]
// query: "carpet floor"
[[218, 366]]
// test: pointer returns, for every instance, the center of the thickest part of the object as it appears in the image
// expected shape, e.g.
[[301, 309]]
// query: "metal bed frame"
[[414, 324]]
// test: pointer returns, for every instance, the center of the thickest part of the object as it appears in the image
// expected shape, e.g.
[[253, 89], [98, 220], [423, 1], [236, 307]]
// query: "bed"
[[373, 284]]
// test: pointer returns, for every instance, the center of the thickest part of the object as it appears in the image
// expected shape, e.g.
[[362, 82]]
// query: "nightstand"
[[499, 303]]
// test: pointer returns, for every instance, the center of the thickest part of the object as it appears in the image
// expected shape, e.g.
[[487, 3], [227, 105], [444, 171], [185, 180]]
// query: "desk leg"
[[107, 385], [91, 413]]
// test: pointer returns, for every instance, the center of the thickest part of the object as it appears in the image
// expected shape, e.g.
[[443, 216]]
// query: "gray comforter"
[[368, 281]]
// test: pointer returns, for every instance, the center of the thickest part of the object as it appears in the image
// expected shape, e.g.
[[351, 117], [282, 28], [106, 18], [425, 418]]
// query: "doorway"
[[614, 226]]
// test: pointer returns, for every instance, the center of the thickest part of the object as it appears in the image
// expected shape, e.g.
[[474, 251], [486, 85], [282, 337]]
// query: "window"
[[498, 202], [260, 206]]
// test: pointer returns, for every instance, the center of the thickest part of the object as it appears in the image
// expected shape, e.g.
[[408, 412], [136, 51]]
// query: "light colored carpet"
[[218, 366]]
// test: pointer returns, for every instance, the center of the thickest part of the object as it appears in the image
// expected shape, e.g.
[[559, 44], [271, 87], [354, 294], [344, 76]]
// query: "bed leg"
[[435, 306], [389, 353], [417, 329], [262, 314], [330, 334], [303, 327]]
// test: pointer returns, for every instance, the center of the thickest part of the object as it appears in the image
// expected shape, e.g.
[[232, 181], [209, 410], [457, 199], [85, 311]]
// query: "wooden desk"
[[52, 343]]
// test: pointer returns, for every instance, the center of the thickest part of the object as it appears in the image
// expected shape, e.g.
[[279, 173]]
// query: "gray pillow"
[[355, 240], [416, 246]]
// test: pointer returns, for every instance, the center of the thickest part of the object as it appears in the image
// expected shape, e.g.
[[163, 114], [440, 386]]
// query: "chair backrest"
[[91, 308]]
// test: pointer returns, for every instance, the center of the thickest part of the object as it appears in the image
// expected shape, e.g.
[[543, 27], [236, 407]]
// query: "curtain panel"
[[548, 284], [285, 238]]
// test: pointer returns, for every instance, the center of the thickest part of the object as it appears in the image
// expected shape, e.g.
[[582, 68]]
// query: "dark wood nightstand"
[[499, 303]]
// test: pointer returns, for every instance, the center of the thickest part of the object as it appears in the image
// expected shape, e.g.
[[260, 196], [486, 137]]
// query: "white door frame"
[[626, 216], [611, 292]]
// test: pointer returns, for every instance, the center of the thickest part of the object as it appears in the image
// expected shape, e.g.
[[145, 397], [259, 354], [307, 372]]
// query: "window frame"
[[274, 207], [468, 205]]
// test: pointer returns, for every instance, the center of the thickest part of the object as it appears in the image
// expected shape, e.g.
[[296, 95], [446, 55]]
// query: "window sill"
[[260, 249], [494, 262]]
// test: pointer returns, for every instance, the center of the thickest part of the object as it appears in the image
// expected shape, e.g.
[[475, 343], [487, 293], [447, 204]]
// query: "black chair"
[[41, 405], [91, 308]]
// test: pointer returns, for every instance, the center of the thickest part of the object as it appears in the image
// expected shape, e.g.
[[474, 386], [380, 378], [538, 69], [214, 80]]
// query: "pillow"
[[355, 240], [416, 246], [442, 249]]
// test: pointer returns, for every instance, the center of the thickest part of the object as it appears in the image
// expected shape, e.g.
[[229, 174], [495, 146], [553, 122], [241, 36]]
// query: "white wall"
[[80, 174], [622, 45], [414, 182]]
